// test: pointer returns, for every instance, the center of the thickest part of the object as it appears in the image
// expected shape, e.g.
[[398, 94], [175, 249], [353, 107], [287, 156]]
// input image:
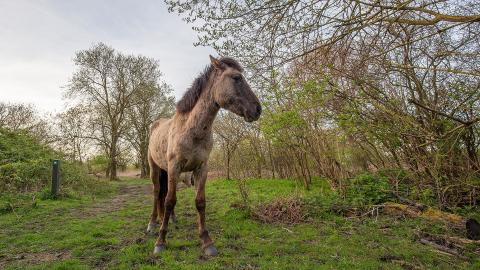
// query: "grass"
[[106, 230]]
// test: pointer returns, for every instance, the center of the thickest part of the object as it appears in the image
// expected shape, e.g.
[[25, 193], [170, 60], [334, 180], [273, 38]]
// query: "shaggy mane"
[[190, 98]]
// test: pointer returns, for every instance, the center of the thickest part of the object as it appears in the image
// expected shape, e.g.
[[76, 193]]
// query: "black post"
[[55, 177]]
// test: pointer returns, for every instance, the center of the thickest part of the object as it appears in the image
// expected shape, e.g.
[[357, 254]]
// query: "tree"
[[17, 116], [153, 102], [363, 85], [24, 117], [272, 33], [230, 131], [107, 82], [73, 132]]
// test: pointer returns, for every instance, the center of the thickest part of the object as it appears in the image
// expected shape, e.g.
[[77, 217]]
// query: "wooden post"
[[55, 177]]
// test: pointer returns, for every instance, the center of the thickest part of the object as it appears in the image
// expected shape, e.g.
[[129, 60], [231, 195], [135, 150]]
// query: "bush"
[[368, 189], [25, 164], [98, 164]]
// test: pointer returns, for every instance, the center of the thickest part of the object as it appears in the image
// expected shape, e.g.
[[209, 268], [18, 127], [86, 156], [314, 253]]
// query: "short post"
[[55, 176]]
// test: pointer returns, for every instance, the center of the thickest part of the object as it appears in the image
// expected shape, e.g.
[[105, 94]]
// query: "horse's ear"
[[216, 63]]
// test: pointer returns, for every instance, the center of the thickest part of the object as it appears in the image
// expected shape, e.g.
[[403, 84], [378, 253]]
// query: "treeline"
[[353, 86], [112, 100]]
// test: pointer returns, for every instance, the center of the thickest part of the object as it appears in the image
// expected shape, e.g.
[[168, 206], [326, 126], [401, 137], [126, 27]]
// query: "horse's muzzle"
[[250, 117]]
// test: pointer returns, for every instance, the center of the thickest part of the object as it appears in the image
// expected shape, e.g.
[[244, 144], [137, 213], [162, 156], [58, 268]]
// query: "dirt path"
[[126, 194], [131, 201], [138, 194], [129, 173]]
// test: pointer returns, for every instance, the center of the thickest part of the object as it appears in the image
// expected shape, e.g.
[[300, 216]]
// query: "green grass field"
[[106, 230]]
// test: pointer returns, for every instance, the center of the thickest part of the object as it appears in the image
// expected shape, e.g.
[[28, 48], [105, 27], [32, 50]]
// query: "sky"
[[39, 38]]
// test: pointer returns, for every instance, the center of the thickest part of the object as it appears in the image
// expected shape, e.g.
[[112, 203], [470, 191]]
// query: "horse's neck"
[[201, 117]]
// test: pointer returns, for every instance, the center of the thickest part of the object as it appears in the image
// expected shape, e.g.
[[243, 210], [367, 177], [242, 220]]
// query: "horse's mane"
[[190, 98]]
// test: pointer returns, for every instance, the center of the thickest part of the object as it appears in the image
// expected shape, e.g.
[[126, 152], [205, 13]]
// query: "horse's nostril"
[[259, 109]]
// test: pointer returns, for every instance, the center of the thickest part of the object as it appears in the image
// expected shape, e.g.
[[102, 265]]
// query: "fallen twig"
[[445, 249]]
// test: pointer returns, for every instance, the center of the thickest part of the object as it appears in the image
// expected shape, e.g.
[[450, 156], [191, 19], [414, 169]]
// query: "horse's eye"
[[237, 78]]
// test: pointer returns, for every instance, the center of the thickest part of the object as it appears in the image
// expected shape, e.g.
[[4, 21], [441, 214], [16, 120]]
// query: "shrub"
[[98, 164], [368, 189], [25, 164]]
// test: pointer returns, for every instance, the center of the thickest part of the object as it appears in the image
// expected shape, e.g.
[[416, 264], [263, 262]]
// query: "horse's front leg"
[[200, 176], [170, 201]]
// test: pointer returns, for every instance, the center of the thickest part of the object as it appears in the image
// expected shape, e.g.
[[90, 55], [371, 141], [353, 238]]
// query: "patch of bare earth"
[[34, 258], [129, 173], [125, 194]]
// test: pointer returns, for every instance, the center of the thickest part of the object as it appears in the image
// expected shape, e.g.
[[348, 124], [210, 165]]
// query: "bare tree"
[[73, 132], [17, 116], [24, 117], [152, 102], [276, 32], [360, 85], [106, 81], [230, 131]]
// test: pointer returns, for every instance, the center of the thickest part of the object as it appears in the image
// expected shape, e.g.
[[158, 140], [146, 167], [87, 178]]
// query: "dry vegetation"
[[288, 211]]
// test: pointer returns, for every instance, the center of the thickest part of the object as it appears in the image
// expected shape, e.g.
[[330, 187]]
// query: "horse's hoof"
[[211, 251], [151, 227], [158, 249]]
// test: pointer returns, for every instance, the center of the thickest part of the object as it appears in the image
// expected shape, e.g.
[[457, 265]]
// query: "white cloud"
[[38, 40]]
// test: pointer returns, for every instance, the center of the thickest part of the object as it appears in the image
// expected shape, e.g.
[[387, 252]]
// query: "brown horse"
[[183, 143]]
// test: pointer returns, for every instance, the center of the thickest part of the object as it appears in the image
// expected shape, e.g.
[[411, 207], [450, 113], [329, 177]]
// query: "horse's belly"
[[191, 165]]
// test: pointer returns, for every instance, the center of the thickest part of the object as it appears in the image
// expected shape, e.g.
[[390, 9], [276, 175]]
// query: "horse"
[[183, 143]]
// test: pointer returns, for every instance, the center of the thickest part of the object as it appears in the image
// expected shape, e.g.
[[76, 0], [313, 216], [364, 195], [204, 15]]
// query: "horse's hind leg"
[[154, 175], [163, 189], [170, 187]]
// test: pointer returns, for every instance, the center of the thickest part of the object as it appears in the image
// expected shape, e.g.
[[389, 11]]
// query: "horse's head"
[[232, 92]]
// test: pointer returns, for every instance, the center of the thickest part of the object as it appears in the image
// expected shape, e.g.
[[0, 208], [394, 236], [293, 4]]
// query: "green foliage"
[[25, 164], [279, 124], [98, 163], [367, 189]]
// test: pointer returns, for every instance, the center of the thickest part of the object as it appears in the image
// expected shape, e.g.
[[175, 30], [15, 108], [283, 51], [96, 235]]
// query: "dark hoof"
[[158, 249], [211, 251]]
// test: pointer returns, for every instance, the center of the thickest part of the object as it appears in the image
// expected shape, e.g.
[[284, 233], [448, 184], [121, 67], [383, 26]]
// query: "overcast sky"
[[39, 38]]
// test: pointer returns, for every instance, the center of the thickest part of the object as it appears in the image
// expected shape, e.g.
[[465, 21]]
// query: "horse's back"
[[160, 123]]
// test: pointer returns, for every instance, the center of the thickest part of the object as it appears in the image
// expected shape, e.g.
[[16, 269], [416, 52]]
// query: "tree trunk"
[[271, 159], [144, 169], [113, 162], [228, 166]]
